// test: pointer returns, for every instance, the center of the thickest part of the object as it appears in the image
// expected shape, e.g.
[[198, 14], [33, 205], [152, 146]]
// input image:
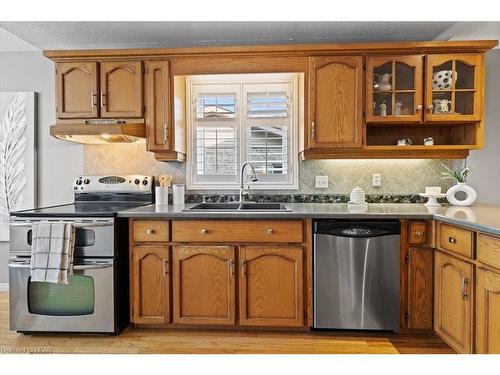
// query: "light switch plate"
[[376, 180], [321, 182]]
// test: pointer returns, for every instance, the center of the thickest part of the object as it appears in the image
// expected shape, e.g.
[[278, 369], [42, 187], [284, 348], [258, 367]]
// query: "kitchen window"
[[238, 118]]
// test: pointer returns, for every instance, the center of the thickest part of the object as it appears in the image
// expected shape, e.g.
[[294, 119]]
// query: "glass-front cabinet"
[[394, 89], [453, 88]]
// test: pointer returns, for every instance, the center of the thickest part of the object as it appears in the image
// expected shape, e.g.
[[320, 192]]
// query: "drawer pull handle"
[[269, 231], [204, 231], [150, 231], [419, 234], [463, 288], [452, 240]]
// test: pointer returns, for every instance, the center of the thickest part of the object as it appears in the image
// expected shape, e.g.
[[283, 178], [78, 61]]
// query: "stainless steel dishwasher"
[[356, 275]]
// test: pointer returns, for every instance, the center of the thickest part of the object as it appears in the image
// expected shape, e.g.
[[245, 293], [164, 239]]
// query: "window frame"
[[295, 82]]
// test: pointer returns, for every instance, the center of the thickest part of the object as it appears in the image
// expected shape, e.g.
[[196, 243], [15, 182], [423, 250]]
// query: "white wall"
[[485, 174], [58, 162]]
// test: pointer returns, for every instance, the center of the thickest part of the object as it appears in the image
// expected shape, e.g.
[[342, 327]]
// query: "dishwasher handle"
[[357, 230]]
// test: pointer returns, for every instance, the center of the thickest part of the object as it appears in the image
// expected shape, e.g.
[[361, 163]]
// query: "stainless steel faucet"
[[254, 179]]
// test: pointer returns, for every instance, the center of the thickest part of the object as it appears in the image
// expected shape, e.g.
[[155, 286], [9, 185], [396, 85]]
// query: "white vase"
[[462, 187]]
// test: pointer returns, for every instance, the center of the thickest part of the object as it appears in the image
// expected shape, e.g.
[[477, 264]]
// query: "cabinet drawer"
[[488, 250], [237, 231], [456, 239], [150, 231], [417, 233]]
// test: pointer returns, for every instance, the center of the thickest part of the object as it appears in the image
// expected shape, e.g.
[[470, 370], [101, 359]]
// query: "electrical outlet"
[[321, 182], [376, 180]]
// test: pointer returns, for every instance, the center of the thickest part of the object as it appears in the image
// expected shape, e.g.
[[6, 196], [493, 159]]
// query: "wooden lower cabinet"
[[487, 312], [204, 280], [420, 285], [271, 286], [453, 301], [150, 285]]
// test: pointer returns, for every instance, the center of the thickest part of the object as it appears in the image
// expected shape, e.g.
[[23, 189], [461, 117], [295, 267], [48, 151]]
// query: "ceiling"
[[86, 35]]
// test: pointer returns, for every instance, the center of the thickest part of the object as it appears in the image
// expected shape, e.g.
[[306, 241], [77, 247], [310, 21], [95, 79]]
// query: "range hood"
[[100, 132]]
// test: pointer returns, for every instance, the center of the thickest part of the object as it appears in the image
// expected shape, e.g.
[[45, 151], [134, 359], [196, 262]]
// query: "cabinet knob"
[[452, 240], [269, 231], [150, 231], [419, 107], [204, 231], [430, 107]]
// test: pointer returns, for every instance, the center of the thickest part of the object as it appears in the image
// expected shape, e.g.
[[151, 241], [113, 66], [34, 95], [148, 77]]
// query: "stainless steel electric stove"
[[96, 297]]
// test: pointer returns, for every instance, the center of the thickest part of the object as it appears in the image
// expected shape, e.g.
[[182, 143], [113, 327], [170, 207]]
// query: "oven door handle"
[[19, 265], [75, 268], [75, 225], [92, 266]]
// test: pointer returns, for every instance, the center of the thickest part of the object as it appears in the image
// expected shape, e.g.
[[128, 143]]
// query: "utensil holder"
[[179, 191], [161, 195]]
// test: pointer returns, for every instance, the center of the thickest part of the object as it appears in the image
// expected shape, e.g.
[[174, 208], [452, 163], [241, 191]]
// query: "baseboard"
[[4, 287]]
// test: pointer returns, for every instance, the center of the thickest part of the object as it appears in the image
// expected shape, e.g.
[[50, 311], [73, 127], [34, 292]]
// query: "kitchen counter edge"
[[483, 218]]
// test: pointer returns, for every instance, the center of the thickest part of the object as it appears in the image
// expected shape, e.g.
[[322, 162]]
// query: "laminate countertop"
[[484, 218]]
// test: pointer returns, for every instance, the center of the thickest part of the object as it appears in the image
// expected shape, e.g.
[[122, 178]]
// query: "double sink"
[[239, 207]]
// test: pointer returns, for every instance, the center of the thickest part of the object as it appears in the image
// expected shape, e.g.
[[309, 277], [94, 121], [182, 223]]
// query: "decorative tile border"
[[303, 198]]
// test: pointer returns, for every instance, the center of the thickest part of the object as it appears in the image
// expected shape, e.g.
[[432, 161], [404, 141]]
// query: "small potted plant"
[[459, 174]]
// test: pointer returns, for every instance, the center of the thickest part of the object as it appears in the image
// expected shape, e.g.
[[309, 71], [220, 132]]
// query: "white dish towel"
[[52, 252]]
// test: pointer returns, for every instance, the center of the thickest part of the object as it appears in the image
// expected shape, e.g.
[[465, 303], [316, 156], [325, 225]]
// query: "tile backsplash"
[[408, 176]]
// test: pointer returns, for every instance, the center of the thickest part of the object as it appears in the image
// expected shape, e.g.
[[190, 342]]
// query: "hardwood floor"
[[241, 342]]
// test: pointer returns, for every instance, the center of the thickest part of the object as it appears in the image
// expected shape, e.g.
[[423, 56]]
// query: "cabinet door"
[[417, 232], [271, 286], [158, 106], [454, 88], [336, 102], [121, 89], [76, 90], [204, 285], [453, 296], [394, 89], [488, 312], [150, 285], [420, 284]]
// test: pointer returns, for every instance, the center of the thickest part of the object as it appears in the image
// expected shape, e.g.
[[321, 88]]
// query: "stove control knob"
[[144, 182], [86, 181], [78, 182], [137, 181]]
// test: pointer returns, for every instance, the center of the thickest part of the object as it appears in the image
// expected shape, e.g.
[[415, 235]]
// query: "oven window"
[[83, 237], [75, 298]]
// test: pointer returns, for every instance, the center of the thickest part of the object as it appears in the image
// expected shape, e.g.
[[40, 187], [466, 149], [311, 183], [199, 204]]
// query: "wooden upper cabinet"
[[158, 105], [121, 89], [77, 89], [453, 301], [454, 88], [150, 285], [204, 285], [487, 312], [394, 87], [271, 286], [336, 102]]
